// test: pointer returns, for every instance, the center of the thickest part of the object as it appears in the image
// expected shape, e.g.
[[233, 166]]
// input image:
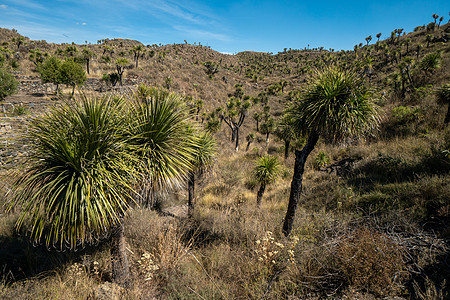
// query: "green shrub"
[[406, 114], [321, 160], [8, 84]]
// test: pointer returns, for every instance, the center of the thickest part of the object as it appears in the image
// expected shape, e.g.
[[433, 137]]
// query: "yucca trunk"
[[286, 149], [260, 194], [119, 260], [191, 186], [296, 184], [447, 117], [236, 147]]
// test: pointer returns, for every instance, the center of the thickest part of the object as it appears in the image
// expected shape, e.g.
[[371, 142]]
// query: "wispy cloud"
[[162, 9], [3, 6], [199, 33], [29, 4]]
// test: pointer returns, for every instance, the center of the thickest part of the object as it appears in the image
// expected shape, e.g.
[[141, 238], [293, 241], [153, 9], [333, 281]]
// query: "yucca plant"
[[266, 171], [204, 156], [336, 104], [431, 62], [250, 139], [286, 132], [77, 184], [443, 98], [159, 129]]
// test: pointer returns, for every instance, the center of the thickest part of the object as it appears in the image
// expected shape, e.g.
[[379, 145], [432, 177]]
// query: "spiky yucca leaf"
[[267, 169], [336, 104], [443, 94], [78, 181], [167, 147], [205, 151]]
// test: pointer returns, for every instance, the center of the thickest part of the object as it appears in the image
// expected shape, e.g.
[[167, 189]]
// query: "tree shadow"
[[20, 259], [385, 169]]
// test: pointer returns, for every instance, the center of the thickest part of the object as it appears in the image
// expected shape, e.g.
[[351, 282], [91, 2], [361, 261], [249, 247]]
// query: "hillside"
[[374, 212]]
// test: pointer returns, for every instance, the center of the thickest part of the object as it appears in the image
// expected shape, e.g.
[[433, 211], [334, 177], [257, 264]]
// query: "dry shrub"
[[371, 262], [160, 237]]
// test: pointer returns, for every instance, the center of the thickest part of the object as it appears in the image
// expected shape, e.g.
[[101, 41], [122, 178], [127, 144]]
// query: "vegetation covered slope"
[[372, 219]]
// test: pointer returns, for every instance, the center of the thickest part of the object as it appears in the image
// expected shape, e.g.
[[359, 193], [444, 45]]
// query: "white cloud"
[[84, 23], [3, 6], [202, 34]]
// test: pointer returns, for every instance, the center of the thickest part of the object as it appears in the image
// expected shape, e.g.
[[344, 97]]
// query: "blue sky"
[[226, 26]]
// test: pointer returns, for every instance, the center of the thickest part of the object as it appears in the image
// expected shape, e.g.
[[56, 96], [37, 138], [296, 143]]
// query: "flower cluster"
[[272, 252], [147, 266], [76, 270]]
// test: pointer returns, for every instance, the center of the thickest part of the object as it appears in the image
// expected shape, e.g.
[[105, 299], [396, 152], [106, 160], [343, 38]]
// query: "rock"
[[109, 291]]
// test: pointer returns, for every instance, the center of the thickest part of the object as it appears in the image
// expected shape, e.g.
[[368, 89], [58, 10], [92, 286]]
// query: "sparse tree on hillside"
[[267, 127], [71, 50], [71, 74], [407, 43], [250, 139], [87, 54], [8, 84], [428, 39], [435, 17], [443, 97], [203, 159], [136, 51], [368, 39], [18, 41], [408, 62], [49, 71], [378, 36], [419, 47], [121, 64], [211, 68], [37, 57], [337, 104], [266, 172], [440, 20], [285, 132], [235, 108], [257, 117]]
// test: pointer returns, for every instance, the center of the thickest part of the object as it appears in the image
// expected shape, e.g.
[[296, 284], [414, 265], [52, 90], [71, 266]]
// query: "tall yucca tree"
[[266, 171], [159, 129], [286, 132], [443, 97], [77, 186], [204, 157], [335, 105]]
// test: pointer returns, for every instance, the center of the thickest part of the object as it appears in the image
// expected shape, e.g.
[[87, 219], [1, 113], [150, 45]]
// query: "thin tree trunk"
[[447, 117], [191, 195], [236, 147], [87, 65], [248, 146], [119, 260], [296, 184], [233, 134], [260, 194], [286, 149]]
